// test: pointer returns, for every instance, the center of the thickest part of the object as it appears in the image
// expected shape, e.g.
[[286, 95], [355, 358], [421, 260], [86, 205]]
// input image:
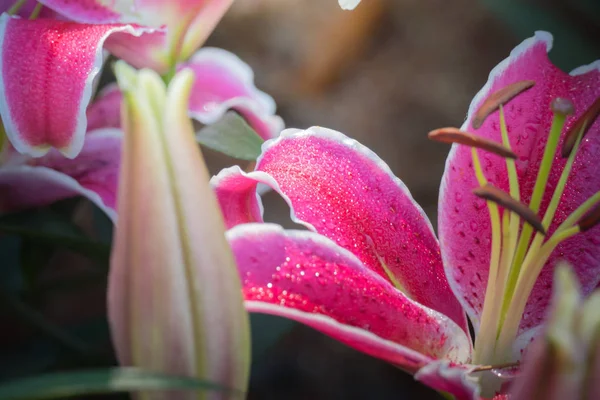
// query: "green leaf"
[[68, 384], [51, 228], [231, 135]]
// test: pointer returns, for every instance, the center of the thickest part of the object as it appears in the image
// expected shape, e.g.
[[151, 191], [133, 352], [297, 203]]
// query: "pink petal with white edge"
[[53, 177], [449, 378], [224, 82], [47, 72], [306, 277], [342, 190], [145, 51], [105, 110], [464, 225]]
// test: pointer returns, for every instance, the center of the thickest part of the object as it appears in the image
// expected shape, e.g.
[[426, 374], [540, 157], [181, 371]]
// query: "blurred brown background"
[[385, 74]]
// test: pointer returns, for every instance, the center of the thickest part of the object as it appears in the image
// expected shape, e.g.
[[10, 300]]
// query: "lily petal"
[[454, 379], [224, 82], [306, 277], [93, 11], [464, 226], [105, 111], [145, 51], [342, 190], [43, 103], [53, 177], [203, 25]]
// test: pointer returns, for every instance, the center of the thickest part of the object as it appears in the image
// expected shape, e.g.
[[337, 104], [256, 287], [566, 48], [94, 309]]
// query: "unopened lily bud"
[[174, 298]]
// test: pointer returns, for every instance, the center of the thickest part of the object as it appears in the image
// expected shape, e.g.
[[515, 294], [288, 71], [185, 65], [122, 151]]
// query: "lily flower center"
[[520, 245]]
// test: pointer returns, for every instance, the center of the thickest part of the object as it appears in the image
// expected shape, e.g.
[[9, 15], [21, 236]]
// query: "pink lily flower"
[[226, 83], [43, 103], [370, 272]]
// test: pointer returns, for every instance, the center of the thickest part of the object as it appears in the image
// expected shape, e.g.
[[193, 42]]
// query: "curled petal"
[[464, 226], [342, 190], [144, 51], [454, 379], [47, 70], [53, 177], [306, 277], [224, 82]]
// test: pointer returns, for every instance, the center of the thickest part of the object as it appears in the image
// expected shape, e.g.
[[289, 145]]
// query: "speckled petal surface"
[[41, 181], [342, 190], [47, 71], [224, 82], [304, 276], [464, 226]]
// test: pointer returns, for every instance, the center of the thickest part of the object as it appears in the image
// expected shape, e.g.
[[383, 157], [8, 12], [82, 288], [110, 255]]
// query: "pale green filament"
[[515, 260], [16, 7], [548, 216], [516, 297], [533, 265], [538, 192], [484, 341], [36, 11], [536, 198], [511, 234], [523, 290]]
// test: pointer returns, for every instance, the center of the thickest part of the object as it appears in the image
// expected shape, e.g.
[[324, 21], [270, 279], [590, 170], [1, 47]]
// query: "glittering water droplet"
[[506, 373]]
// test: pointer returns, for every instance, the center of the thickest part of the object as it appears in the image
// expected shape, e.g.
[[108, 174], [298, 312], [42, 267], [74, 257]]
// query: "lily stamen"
[[496, 99], [492, 193], [455, 135], [582, 124]]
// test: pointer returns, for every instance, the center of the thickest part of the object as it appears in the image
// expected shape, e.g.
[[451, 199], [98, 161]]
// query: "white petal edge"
[[64, 180], [260, 103], [584, 69], [335, 136]]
